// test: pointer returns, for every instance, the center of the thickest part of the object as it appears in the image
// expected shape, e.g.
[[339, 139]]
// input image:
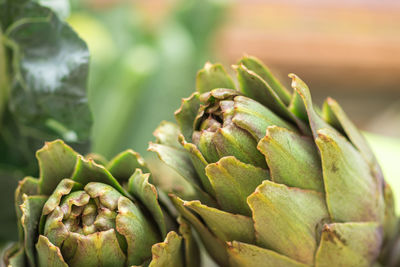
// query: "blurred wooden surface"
[[357, 43], [349, 50]]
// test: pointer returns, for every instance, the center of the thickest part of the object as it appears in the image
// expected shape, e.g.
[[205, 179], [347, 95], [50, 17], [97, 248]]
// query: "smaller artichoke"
[[80, 213]]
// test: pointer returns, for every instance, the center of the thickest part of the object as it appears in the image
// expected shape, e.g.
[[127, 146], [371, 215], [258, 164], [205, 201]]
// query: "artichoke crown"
[[274, 180], [86, 211]]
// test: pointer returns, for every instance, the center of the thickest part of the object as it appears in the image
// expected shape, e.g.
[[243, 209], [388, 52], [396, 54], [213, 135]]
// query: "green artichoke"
[[271, 179], [80, 213]]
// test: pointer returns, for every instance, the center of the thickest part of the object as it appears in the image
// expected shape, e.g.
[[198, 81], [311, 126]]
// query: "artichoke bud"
[[90, 219], [276, 181], [216, 134]]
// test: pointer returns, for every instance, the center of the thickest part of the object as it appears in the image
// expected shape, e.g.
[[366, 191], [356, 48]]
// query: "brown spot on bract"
[[334, 168]]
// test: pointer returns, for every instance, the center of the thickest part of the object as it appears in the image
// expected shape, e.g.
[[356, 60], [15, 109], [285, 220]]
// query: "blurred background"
[[145, 55]]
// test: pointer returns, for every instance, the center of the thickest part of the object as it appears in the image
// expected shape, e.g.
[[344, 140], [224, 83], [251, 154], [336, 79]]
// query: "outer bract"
[[275, 181], [81, 213]]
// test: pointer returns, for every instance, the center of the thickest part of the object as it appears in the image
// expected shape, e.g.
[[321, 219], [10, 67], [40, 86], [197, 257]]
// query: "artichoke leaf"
[[48, 254], [349, 244], [62, 189], [97, 249], [28, 186], [124, 165], [186, 115], [167, 133], [255, 65], [226, 226], [285, 219], [140, 187], [335, 114], [253, 86], [390, 220], [199, 163], [234, 141], [213, 76], [56, 162], [233, 181], [315, 121], [205, 145], [297, 107], [256, 88], [140, 234], [255, 118], [215, 247], [15, 256], [344, 169], [180, 161], [242, 254], [31, 210], [292, 159], [89, 171], [169, 252], [192, 255]]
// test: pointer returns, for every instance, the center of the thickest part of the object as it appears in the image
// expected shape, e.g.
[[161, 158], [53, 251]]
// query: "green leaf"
[[293, 160], [186, 115], [315, 121], [140, 187], [256, 88], [169, 252], [335, 113], [224, 225], [205, 145], [349, 244], [124, 165], [285, 219], [62, 189], [199, 163], [140, 234], [255, 65], [255, 118], [56, 162], [192, 253], [253, 86], [87, 171], [297, 107], [352, 193], [242, 254], [213, 76], [97, 249], [234, 141], [15, 256], [31, 210], [56, 103], [28, 186], [167, 133], [61, 7], [233, 181], [48, 254], [390, 220], [215, 247], [180, 161]]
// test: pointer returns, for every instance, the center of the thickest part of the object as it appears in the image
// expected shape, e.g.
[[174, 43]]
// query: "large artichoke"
[[271, 180], [79, 213]]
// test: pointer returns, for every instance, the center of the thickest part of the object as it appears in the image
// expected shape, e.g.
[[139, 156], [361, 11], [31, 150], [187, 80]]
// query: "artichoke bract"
[[275, 181], [81, 213]]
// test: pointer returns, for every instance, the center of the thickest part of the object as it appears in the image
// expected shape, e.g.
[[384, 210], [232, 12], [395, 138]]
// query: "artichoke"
[[80, 213], [272, 180]]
